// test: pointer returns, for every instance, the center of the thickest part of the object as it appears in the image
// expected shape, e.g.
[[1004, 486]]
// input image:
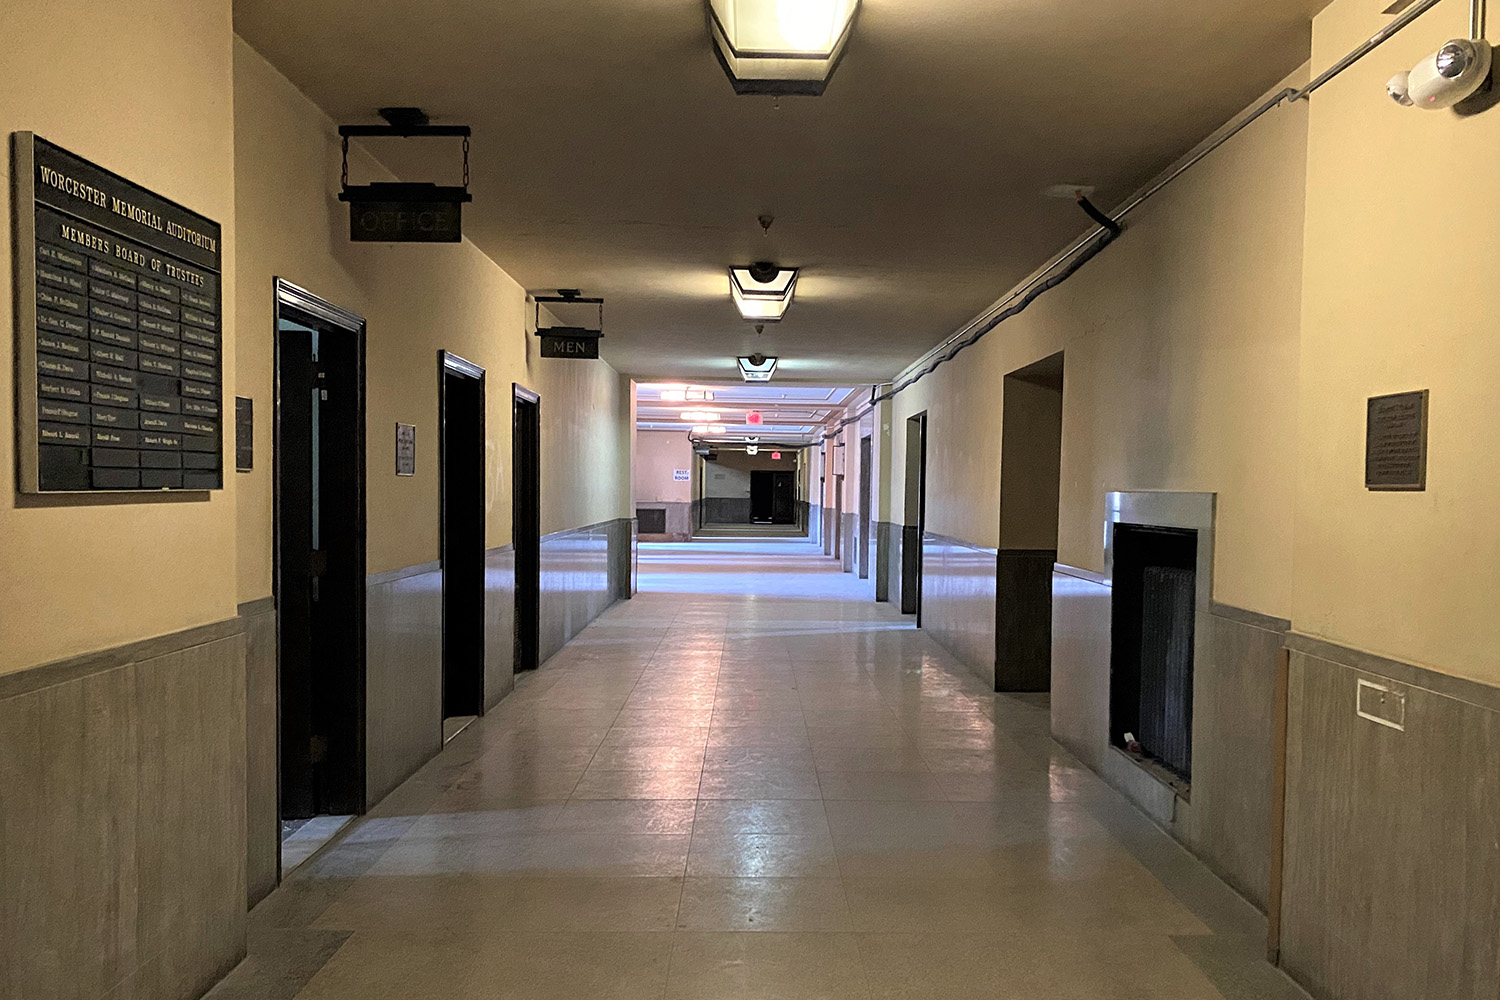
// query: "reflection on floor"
[[301, 838], [753, 781], [455, 725]]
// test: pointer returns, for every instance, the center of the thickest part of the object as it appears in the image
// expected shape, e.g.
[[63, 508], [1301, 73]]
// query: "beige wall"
[[729, 474], [1401, 293], [416, 301], [657, 455], [1181, 347], [142, 89]]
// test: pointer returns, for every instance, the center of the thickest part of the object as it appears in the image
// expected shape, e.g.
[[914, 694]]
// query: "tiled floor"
[[754, 782]]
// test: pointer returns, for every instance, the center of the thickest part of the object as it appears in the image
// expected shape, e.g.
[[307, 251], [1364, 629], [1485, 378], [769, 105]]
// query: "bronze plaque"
[[1396, 442], [106, 272]]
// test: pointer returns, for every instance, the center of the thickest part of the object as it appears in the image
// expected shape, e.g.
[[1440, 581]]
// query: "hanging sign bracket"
[[405, 211]]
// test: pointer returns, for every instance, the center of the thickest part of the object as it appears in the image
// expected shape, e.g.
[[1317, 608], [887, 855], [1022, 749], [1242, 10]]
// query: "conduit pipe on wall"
[[1065, 264]]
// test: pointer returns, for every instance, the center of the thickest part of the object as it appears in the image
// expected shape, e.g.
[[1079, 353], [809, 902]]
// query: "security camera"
[[1448, 76]]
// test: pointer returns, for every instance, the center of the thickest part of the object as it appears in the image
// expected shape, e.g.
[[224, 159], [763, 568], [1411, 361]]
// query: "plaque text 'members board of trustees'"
[[118, 377], [1396, 442]]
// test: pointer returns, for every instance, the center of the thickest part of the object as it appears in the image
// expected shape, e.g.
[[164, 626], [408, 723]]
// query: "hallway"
[[753, 781]]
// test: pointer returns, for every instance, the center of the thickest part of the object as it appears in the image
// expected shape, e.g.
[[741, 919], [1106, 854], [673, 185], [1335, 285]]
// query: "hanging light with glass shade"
[[780, 46], [757, 368], [763, 291]]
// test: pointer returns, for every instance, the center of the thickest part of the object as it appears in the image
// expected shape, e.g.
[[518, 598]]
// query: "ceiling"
[[790, 414], [610, 153]]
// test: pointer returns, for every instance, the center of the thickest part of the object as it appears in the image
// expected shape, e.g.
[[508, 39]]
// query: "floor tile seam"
[[616, 718]]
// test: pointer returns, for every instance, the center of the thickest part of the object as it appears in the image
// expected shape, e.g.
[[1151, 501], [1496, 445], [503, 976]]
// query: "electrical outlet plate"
[[1381, 704]]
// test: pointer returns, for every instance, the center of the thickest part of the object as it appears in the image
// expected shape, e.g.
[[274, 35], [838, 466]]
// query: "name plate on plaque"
[[1396, 442], [118, 308]]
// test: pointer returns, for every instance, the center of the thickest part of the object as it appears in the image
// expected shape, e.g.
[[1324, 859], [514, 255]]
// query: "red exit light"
[[776, 456], [755, 418]]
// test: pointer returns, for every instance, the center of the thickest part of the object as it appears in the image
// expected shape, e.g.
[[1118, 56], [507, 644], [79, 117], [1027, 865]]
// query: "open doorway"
[[319, 577], [462, 462], [773, 497], [840, 552], [762, 496], [866, 453], [526, 521], [916, 516], [1030, 467]]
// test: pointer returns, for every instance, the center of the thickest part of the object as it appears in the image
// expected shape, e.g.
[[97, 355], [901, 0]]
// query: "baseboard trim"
[[1462, 689], [1254, 619], [404, 573], [46, 675], [253, 609], [1078, 573]]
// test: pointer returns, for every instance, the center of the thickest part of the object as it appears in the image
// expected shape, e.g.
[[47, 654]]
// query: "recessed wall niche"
[[1159, 558]]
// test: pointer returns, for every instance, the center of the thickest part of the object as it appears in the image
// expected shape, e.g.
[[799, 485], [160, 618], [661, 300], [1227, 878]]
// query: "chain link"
[[345, 175], [466, 163]]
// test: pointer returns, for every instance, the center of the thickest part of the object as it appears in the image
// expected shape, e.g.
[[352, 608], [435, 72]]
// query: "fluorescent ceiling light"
[[757, 368], [674, 395], [700, 396], [780, 46], [700, 416], [762, 292]]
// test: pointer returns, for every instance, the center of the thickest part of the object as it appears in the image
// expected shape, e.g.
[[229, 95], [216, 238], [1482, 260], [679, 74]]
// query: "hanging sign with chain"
[[405, 212]]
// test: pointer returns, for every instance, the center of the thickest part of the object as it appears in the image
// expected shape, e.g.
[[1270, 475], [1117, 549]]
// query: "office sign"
[[1396, 442], [118, 307], [583, 347], [405, 213]]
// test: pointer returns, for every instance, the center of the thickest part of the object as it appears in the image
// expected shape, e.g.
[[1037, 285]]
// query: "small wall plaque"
[[1396, 442], [406, 449], [244, 434]]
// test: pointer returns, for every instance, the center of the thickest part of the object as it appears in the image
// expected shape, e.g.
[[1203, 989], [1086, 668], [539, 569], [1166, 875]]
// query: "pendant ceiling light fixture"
[[762, 292], [780, 46], [757, 368]]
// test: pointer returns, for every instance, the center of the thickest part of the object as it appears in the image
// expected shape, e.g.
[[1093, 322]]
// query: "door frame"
[[914, 532], [287, 295], [521, 394], [452, 364], [866, 485]]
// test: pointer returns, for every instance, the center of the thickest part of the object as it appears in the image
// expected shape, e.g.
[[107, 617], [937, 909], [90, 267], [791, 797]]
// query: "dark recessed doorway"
[[916, 516], [866, 517], [462, 461], [319, 573], [773, 497], [526, 521]]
